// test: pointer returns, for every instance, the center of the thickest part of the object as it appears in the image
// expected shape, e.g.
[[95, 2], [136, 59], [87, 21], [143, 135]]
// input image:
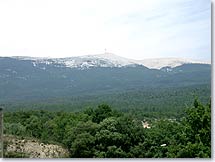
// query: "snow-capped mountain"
[[109, 60], [27, 78]]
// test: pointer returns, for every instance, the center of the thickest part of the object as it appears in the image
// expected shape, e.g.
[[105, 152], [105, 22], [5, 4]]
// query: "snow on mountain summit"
[[84, 62], [109, 60], [168, 62], [99, 60], [118, 60]]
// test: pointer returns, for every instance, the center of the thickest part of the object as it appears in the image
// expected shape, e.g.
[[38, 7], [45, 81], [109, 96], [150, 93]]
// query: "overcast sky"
[[135, 29]]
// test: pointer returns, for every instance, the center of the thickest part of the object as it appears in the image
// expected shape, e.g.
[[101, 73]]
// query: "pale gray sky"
[[135, 29]]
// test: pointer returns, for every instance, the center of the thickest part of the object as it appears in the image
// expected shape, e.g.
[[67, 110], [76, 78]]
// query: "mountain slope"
[[168, 62], [42, 78]]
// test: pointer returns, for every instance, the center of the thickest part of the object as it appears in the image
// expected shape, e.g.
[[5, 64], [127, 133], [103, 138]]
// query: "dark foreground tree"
[[196, 133]]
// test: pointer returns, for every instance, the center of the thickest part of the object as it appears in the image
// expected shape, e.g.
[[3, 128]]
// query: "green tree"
[[103, 111], [83, 146], [198, 130], [114, 152], [195, 140]]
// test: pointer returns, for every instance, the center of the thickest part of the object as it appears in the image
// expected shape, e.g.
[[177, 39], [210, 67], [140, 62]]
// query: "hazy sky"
[[135, 29]]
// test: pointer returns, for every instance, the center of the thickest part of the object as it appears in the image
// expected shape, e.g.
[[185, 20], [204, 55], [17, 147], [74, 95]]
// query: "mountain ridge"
[[109, 60]]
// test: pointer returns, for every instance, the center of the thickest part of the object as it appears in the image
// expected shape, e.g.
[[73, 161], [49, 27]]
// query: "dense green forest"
[[106, 132], [168, 101]]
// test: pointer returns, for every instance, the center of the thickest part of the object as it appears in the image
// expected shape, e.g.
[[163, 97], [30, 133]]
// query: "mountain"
[[27, 78], [109, 60]]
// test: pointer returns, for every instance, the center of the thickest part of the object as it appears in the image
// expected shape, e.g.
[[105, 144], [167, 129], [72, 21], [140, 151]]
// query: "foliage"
[[15, 155], [106, 133], [144, 101]]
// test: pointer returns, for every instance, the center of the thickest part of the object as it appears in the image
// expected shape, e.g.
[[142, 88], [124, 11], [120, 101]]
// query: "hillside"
[[36, 79]]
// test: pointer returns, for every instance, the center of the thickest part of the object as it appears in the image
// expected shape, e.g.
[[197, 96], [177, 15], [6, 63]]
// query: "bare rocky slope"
[[32, 148]]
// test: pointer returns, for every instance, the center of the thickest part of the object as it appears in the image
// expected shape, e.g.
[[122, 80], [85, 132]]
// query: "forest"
[[168, 101], [105, 132]]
